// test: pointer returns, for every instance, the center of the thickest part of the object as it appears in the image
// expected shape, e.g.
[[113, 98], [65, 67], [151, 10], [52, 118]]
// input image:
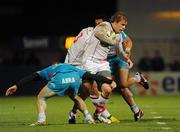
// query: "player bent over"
[[61, 78]]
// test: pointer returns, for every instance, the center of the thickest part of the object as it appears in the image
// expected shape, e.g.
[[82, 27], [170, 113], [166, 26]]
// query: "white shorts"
[[94, 67]]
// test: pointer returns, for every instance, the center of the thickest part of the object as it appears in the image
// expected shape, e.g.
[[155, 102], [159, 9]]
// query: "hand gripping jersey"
[[75, 52]]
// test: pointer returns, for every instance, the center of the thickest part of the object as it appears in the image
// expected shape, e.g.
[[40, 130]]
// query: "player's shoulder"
[[123, 34], [105, 24], [87, 29]]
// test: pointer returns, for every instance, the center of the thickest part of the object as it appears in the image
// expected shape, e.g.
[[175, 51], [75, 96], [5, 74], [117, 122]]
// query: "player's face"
[[120, 26]]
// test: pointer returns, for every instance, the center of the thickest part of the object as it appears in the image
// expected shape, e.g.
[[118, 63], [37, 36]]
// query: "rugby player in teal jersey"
[[62, 79]]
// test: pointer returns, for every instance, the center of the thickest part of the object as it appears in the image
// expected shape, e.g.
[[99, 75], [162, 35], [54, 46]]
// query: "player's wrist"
[[127, 49]]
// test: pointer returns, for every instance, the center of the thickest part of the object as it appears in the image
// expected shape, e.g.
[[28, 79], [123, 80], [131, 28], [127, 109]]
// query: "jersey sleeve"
[[104, 34], [124, 36], [27, 79]]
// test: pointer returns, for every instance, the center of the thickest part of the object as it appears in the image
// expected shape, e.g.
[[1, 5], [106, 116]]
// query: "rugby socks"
[[137, 78], [135, 108], [105, 114], [72, 114], [99, 100], [87, 115], [41, 117], [103, 99], [99, 103]]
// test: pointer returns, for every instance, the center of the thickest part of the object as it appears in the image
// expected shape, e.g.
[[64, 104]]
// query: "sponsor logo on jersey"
[[68, 80]]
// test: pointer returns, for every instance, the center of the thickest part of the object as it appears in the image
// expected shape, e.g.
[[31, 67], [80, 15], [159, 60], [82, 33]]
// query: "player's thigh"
[[46, 93], [85, 89], [123, 75]]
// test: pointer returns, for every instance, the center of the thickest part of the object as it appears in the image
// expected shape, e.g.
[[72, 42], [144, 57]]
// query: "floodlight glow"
[[69, 41], [168, 15]]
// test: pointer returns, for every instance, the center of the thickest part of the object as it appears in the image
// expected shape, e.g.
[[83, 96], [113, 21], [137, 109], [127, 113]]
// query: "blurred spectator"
[[175, 64], [32, 59], [145, 62], [158, 62]]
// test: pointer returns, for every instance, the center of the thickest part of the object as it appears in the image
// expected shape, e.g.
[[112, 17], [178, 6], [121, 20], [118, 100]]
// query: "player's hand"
[[11, 90], [113, 85], [130, 63], [128, 52]]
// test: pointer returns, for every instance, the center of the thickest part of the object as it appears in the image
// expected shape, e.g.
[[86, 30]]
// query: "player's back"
[[78, 46], [52, 70]]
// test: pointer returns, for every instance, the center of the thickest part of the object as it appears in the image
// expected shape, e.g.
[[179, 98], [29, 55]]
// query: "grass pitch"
[[162, 113]]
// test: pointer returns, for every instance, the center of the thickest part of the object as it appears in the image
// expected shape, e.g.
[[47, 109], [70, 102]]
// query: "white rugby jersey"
[[102, 37], [75, 52]]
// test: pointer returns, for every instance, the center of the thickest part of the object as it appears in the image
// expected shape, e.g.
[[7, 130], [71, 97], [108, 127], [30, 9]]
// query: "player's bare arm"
[[128, 46]]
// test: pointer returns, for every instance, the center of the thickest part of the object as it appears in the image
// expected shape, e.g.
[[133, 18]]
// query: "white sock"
[[87, 115], [99, 103], [71, 114], [86, 112], [135, 109], [41, 117], [105, 113], [102, 100], [137, 78], [99, 100]]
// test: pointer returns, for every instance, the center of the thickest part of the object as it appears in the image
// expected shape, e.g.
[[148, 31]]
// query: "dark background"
[[33, 32], [39, 18], [35, 20]]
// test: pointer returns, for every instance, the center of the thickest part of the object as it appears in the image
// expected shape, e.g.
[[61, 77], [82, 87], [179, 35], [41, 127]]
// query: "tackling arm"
[[128, 46], [101, 33], [99, 78], [22, 82]]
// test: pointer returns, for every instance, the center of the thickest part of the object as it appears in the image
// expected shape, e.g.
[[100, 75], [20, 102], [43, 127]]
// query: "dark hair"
[[102, 16], [118, 16]]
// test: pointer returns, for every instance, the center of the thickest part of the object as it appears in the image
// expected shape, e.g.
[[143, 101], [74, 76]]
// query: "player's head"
[[119, 21], [100, 18]]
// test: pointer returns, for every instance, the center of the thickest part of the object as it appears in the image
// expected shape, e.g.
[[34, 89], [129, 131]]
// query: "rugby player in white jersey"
[[95, 59], [120, 64], [74, 57], [126, 93]]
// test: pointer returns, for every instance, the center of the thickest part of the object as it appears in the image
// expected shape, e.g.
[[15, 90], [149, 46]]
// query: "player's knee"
[[41, 97], [124, 84], [106, 91]]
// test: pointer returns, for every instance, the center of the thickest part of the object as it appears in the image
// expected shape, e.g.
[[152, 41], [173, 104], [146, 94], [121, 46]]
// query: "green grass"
[[16, 113]]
